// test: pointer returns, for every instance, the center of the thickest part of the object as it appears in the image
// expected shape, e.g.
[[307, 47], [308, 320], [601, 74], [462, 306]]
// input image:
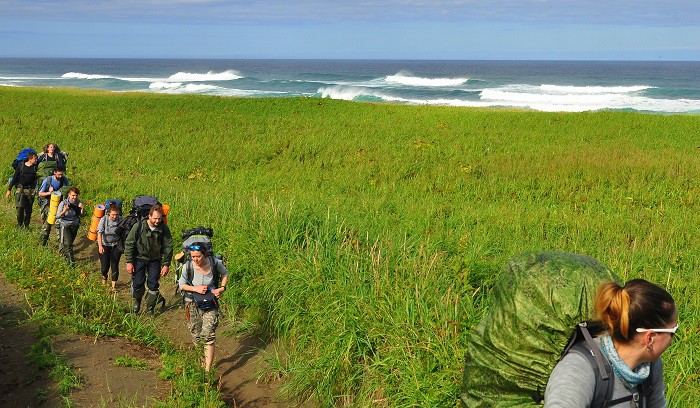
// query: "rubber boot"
[[151, 300], [161, 300], [137, 305]]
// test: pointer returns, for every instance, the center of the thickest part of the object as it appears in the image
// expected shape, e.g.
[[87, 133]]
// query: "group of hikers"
[[146, 242], [636, 321]]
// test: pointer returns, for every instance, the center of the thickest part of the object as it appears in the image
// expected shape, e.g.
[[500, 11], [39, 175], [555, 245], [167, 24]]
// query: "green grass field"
[[365, 237]]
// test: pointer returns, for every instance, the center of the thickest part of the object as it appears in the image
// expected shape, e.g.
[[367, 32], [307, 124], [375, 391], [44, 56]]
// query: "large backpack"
[[202, 236], [19, 160], [22, 157], [531, 322], [140, 207]]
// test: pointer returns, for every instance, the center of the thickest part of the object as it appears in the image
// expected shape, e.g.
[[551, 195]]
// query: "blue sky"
[[366, 29]]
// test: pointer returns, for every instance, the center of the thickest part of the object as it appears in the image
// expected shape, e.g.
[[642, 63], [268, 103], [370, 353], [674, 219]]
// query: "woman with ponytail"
[[640, 320]]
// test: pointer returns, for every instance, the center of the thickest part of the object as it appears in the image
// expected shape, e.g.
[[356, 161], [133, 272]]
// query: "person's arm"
[[45, 189], [100, 233], [166, 251], [15, 180], [61, 210], [571, 384], [129, 248], [223, 272], [167, 247]]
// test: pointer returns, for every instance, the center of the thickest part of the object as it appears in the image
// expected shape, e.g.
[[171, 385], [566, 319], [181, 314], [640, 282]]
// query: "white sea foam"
[[209, 76], [178, 77], [182, 88], [593, 89], [531, 97], [164, 85], [557, 99], [78, 75], [405, 78]]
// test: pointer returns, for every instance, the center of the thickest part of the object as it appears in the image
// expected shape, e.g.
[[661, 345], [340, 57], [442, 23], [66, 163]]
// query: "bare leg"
[[208, 356]]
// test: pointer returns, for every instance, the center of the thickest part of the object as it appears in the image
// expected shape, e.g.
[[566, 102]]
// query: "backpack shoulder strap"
[[582, 342], [188, 271], [216, 273], [604, 385]]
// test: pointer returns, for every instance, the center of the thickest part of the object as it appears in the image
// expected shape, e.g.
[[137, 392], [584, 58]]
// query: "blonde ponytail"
[[612, 306]]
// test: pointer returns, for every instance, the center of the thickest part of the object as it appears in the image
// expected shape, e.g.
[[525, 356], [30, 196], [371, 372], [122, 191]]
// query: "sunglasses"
[[194, 247], [672, 330]]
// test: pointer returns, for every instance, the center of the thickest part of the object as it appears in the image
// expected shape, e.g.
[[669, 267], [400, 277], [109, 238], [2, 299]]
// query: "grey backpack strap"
[[603, 379]]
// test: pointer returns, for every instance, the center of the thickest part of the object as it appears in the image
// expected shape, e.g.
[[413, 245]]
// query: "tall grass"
[[366, 237]]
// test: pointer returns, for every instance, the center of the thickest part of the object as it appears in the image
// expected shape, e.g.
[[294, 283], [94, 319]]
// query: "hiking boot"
[[151, 300], [44, 239], [137, 305]]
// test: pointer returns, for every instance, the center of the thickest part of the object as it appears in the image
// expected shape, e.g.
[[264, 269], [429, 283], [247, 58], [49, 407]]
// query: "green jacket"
[[149, 245]]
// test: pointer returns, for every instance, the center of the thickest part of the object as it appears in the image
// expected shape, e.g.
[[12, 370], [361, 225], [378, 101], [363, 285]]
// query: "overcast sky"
[[367, 29]]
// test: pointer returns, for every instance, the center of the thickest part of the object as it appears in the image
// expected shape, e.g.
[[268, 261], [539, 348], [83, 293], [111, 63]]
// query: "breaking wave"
[[404, 78]]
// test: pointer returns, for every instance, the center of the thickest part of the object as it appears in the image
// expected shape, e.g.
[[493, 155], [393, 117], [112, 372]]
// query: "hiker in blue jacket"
[[48, 186], [641, 320]]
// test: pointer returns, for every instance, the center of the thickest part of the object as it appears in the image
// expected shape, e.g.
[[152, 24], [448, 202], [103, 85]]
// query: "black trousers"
[[110, 259]]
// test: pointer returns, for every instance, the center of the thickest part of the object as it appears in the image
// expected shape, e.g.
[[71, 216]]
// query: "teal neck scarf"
[[630, 377]]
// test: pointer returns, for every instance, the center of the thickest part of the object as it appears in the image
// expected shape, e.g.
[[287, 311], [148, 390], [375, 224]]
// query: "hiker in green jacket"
[[148, 253]]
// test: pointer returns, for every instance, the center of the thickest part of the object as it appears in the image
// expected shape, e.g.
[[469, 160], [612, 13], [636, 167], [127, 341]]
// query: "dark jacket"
[[147, 245], [24, 176]]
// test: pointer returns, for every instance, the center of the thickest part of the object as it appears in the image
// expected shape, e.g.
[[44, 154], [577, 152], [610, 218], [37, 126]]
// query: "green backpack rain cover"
[[534, 308]]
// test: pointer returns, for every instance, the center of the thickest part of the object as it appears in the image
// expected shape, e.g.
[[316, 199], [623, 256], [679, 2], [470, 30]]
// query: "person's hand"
[[164, 270], [130, 268], [101, 249], [201, 289], [81, 206], [50, 189], [8, 194], [218, 291]]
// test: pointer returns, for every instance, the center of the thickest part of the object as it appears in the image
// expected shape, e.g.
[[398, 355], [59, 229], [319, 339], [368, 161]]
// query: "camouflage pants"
[[24, 200], [202, 324], [45, 226]]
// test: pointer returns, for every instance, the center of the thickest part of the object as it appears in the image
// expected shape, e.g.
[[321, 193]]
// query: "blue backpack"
[[22, 157]]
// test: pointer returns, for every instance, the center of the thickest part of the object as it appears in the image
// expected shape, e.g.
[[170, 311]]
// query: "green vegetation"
[[365, 237], [133, 362]]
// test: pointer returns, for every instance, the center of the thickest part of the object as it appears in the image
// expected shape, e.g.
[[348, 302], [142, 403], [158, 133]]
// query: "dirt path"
[[237, 360], [93, 360], [21, 384]]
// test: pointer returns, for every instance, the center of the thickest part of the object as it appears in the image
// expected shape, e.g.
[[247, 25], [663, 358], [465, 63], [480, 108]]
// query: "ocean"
[[554, 86]]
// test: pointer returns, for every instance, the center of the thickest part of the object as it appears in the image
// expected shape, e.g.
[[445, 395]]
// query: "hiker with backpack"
[[53, 153], [24, 179], [48, 186], [70, 211], [107, 239], [148, 250], [640, 320], [202, 282], [541, 311]]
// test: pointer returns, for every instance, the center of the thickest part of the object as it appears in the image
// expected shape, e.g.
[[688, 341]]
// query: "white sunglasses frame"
[[672, 330]]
